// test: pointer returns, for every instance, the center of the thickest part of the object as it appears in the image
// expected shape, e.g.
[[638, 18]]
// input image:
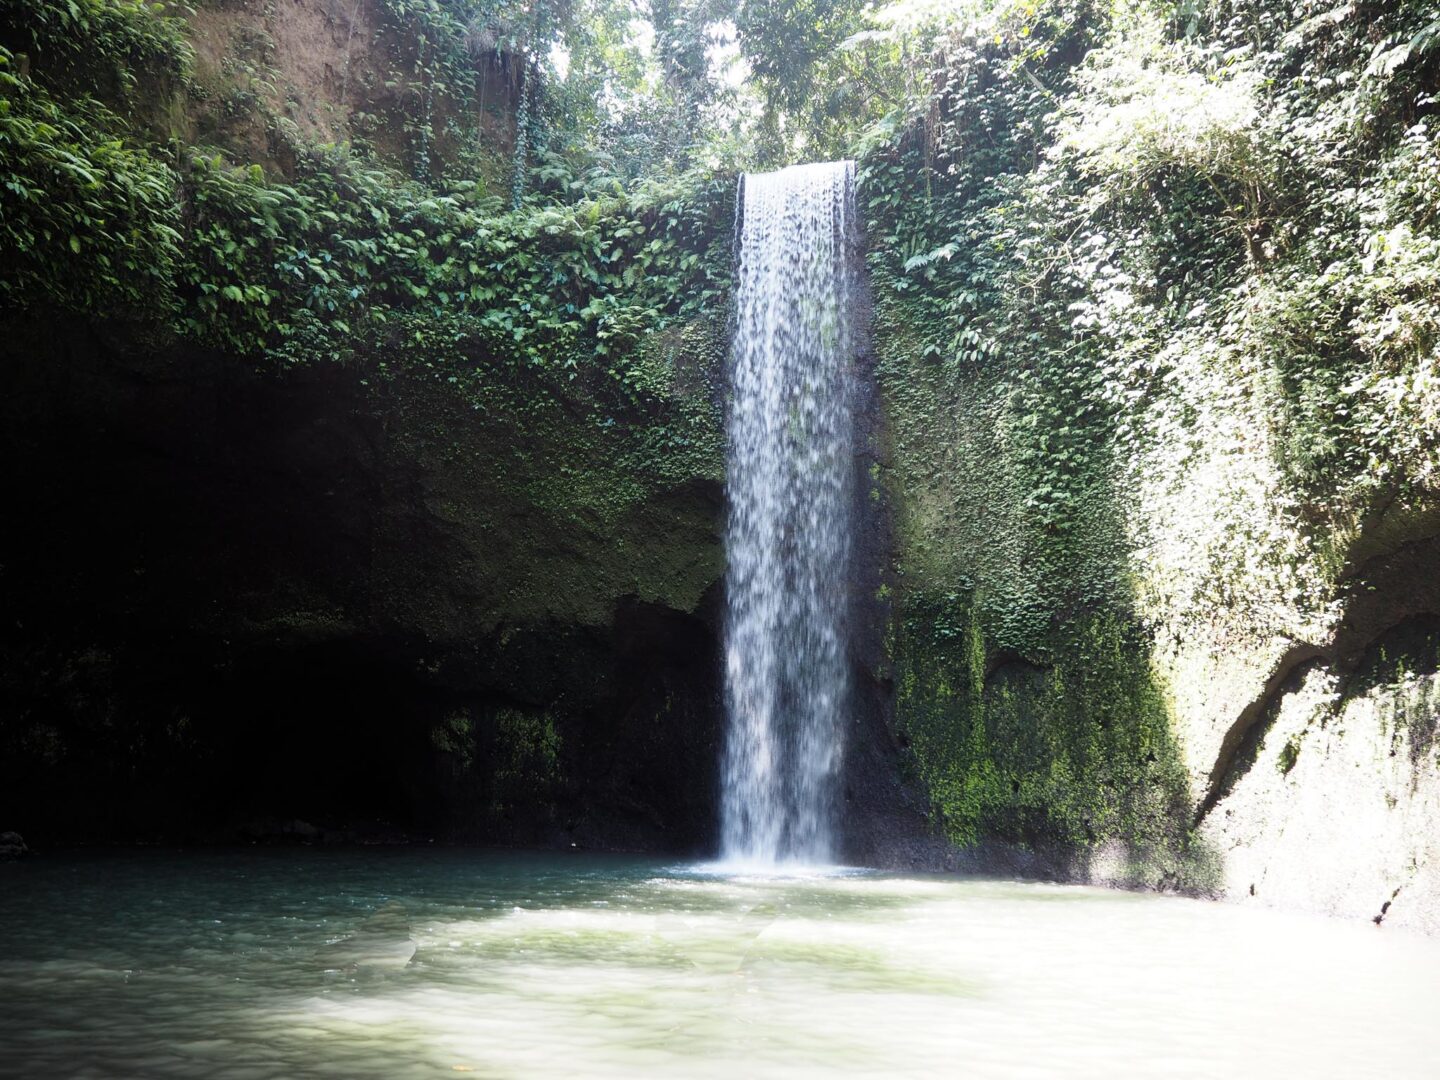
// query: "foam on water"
[[761, 868], [222, 965]]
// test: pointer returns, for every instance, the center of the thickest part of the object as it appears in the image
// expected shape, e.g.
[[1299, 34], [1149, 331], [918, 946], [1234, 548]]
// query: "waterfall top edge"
[[807, 166]]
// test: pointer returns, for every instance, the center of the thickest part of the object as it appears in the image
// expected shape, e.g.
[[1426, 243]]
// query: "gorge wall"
[[315, 528], [344, 497], [1158, 380]]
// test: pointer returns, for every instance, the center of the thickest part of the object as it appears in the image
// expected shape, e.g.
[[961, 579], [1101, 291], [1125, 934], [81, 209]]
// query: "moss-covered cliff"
[[338, 490], [1156, 290]]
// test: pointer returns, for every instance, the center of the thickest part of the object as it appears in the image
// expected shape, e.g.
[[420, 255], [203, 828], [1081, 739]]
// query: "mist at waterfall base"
[[788, 531], [414, 963]]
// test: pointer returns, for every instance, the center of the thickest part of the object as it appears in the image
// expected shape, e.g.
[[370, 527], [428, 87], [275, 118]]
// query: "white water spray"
[[788, 534]]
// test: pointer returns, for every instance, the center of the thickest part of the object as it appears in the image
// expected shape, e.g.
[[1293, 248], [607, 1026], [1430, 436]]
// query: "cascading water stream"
[[788, 534]]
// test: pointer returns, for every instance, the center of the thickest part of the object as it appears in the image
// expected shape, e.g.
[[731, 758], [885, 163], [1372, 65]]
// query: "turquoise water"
[[430, 963]]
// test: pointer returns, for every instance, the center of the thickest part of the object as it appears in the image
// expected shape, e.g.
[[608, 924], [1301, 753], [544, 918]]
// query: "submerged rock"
[[382, 941], [12, 845]]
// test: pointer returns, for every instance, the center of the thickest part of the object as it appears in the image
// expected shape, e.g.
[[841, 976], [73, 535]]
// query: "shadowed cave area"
[[205, 645]]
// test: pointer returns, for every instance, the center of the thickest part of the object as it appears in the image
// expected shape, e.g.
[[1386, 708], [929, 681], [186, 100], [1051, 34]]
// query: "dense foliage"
[[100, 218], [563, 349], [89, 223], [113, 47]]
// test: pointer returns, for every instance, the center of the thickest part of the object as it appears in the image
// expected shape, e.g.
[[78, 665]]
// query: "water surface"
[[429, 963]]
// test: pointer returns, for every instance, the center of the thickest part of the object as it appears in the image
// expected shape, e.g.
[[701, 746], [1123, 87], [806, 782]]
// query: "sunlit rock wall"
[[1296, 645], [1338, 808]]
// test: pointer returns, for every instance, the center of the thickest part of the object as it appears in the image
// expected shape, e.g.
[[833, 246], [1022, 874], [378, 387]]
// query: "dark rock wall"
[[236, 598]]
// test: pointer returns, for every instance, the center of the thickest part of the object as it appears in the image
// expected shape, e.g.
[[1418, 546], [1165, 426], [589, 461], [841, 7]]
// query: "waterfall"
[[788, 532]]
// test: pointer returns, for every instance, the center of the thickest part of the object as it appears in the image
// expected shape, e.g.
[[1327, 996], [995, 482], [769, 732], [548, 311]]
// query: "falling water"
[[788, 535]]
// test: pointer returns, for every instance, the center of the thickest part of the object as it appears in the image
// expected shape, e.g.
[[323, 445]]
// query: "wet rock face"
[[237, 597], [884, 813]]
